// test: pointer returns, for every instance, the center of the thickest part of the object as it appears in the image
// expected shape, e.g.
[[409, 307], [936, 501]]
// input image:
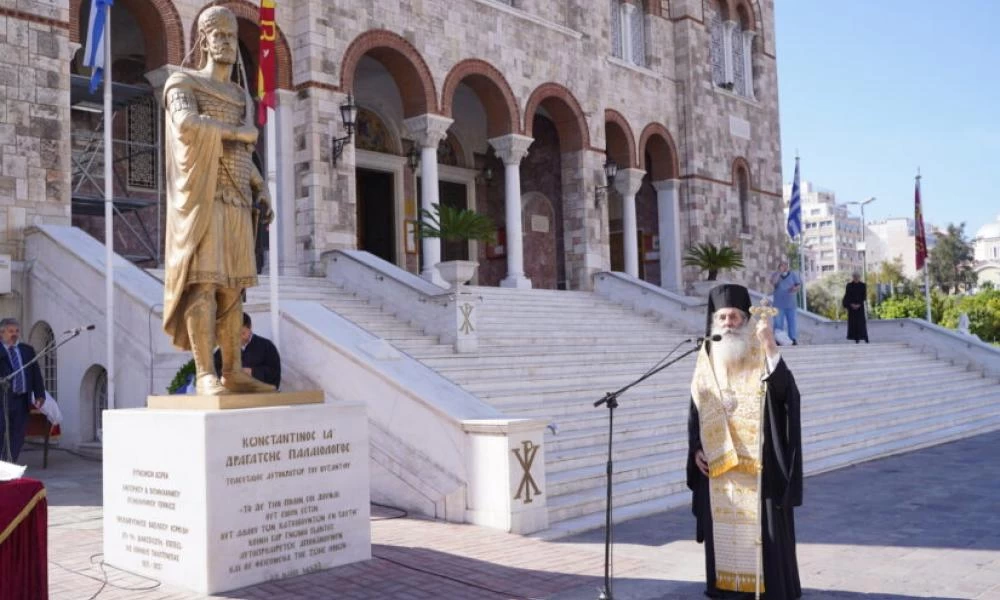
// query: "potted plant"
[[712, 259], [456, 225]]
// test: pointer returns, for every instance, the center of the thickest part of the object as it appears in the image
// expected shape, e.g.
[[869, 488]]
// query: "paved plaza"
[[920, 525]]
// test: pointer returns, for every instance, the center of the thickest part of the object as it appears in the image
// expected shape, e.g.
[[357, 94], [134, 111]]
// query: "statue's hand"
[[264, 206]]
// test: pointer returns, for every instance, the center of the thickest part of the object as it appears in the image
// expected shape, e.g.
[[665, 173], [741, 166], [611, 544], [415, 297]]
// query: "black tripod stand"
[[611, 399], [5, 385]]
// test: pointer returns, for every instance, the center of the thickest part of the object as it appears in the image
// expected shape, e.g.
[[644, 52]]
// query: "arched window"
[[742, 46], [94, 401], [743, 194], [717, 48], [40, 338], [628, 31], [731, 48]]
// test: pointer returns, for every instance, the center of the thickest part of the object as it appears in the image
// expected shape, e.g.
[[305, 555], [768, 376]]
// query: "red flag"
[[266, 61], [921, 238]]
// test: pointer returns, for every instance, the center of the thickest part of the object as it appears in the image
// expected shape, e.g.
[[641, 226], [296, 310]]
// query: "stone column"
[[284, 202], [511, 149], [627, 183], [428, 130], [747, 65], [668, 207]]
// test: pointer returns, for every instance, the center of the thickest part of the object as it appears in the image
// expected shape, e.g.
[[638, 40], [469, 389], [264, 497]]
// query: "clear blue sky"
[[872, 89]]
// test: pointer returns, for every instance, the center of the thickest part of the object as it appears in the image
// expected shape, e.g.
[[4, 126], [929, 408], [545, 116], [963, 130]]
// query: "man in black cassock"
[[854, 301], [731, 379], [259, 355]]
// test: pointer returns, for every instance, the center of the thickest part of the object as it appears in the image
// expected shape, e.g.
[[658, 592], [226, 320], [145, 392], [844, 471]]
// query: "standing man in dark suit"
[[24, 390], [259, 356]]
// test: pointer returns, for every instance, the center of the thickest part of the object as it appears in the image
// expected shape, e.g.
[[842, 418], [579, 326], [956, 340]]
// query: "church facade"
[[513, 108]]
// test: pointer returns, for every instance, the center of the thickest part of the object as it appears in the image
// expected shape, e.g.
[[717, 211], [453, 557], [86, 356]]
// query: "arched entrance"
[[620, 145], [658, 209], [479, 100], [555, 169], [390, 83]]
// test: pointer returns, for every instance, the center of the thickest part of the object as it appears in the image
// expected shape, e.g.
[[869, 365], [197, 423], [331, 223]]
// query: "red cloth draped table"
[[23, 540]]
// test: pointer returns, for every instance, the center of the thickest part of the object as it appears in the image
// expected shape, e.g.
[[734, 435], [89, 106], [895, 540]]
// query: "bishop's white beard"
[[734, 347]]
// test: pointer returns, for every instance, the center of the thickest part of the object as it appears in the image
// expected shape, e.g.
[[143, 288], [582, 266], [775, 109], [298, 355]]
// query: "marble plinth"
[[214, 500]]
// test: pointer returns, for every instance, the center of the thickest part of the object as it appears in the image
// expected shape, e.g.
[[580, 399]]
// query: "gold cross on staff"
[[764, 310]]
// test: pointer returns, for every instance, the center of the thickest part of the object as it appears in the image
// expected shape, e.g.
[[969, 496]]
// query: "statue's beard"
[[734, 347]]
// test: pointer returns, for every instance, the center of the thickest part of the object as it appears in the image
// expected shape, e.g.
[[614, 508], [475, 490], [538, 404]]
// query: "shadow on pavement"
[[938, 497]]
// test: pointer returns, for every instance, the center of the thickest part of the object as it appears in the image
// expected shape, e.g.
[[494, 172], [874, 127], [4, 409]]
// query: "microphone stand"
[[611, 400], [5, 385]]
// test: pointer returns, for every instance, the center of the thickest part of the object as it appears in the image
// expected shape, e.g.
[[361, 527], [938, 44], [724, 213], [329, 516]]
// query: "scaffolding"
[[137, 134]]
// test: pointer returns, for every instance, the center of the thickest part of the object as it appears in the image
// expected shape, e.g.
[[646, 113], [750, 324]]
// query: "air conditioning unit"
[[5, 267]]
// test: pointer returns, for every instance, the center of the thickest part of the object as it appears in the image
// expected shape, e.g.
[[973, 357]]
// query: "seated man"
[[259, 355]]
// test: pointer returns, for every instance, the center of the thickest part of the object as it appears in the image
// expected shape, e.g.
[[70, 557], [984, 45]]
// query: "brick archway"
[[493, 92], [404, 63], [161, 28], [562, 106], [619, 141], [657, 142], [249, 13], [740, 163]]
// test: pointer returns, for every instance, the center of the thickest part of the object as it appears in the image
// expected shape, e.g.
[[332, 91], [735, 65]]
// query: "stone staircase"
[[550, 354]]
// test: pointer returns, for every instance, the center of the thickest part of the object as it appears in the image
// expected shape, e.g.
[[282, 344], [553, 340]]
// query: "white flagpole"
[[272, 232], [927, 292], [109, 239], [802, 274]]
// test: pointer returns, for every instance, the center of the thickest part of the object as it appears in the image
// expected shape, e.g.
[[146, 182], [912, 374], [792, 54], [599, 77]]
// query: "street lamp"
[[610, 172], [349, 115], [862, 246]]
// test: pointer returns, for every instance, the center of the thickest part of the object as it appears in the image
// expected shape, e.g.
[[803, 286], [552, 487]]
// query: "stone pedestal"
[[214, 500]]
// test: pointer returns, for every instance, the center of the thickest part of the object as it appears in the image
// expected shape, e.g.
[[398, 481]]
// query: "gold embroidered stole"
[[729, 420]]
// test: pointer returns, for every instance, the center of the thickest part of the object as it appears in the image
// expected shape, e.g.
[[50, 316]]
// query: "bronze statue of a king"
[[213, 191]]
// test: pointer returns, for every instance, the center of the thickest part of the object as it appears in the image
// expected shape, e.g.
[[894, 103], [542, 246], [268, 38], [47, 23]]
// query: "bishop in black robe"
[[781, 478], [854, 301]]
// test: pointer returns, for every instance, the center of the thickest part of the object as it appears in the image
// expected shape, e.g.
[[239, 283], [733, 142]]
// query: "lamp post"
[[862, 245]]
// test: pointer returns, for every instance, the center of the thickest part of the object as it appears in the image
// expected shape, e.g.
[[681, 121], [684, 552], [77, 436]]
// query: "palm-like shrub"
[[711, 258], [456, 224]]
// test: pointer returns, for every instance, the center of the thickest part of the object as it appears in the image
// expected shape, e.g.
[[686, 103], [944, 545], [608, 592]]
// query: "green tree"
[[891, 272], [951, 261], [913, 307], [792, 256], [825, 294], [984, 314], [901, 307]]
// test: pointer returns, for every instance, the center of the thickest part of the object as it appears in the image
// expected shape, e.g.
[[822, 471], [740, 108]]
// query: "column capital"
[[511, 148], [428, 129], [729, 26], [749, 35], [666, 185], [628, 181]]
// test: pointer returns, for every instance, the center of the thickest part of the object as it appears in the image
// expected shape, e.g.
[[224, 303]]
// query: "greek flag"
[[795, 206], [93, 56]]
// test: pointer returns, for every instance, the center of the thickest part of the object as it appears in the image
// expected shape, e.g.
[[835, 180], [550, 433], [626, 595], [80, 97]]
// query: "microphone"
[[708, 338], [79, 330]]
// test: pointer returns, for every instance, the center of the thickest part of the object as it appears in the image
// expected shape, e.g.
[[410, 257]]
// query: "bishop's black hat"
[[727, 295]]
